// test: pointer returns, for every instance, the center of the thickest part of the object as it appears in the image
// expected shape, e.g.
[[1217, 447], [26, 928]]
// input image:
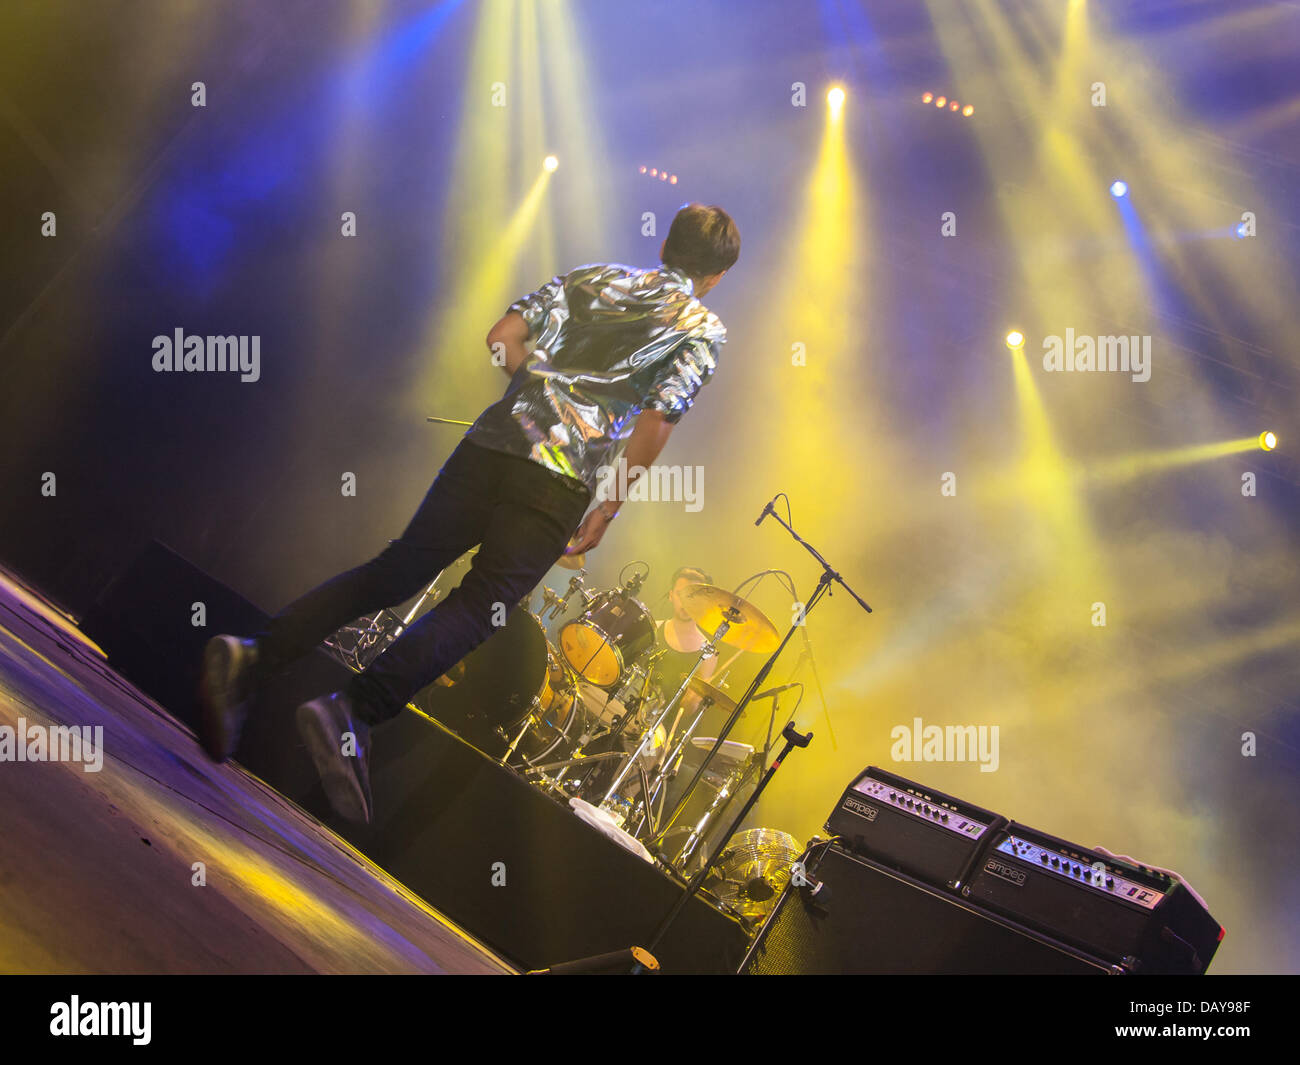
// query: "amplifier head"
[[905, 826], [1133, 915]]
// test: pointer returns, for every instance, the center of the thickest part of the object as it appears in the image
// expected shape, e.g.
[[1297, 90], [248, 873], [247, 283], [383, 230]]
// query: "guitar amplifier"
[[1135, 917], [904, 826], [878, 920], [1125, 916]]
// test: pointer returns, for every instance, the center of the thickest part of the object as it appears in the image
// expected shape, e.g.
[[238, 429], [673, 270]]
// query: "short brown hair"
[[702, 241], [692, 574]]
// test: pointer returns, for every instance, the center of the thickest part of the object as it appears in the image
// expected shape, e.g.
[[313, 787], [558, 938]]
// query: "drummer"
[[683, 640]]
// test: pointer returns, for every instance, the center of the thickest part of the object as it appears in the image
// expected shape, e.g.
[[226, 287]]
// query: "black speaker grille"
[[877, 920]]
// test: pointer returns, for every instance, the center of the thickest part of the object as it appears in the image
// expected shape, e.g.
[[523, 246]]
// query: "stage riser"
[[447, 818]]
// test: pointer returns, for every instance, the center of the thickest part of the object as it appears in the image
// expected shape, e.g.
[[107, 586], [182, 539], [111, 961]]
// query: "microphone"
[[766, 511], [777, 690]]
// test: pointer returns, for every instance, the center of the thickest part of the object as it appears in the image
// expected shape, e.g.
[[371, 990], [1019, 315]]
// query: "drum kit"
[[577, 709]]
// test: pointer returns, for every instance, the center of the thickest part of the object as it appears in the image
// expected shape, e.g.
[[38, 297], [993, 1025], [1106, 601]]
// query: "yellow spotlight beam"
[[497, 267], [1131, 467], [824, 236], [534, 132], [578, 140], [479, 196], [1043, 478]]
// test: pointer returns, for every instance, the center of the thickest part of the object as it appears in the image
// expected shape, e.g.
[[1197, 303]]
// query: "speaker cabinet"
[[879, 920]]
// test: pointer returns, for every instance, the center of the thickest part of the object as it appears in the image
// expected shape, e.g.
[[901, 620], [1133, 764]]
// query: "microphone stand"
[[828, 577]]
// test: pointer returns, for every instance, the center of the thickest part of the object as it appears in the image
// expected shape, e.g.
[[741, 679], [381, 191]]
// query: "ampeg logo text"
[[867, 813], [1007, 872]]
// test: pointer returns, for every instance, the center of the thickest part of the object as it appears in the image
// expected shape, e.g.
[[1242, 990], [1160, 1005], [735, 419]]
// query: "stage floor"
[[160, 861]]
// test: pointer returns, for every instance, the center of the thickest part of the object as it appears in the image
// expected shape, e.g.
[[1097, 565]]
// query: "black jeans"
[[523, 516]]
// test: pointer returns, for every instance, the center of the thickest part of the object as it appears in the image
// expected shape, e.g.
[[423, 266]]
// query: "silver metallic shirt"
[[611, 341]]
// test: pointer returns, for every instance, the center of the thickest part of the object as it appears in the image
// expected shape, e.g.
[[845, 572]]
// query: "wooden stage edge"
[[144, 856]]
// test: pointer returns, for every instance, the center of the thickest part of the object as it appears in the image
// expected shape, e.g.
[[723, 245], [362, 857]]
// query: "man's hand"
[[649, 435], [591, 530]]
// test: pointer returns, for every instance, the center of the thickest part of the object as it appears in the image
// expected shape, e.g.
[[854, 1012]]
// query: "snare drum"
[[607, 637]]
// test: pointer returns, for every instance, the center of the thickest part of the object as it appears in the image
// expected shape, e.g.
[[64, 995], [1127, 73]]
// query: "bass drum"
[[512, 680], [607, 637]]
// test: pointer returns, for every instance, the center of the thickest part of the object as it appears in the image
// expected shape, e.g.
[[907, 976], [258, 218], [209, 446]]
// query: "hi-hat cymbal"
[[750, 630], [706, 690], [572, 561]]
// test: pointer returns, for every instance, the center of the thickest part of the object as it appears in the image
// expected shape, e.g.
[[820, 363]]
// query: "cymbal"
[[703, 688], [750, 630], [572, 561]]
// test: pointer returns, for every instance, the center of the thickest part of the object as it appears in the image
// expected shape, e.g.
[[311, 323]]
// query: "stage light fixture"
[[1268, 440], [550, 163], [1015, 340], [1118, 189], [950, 103], [835, 98]]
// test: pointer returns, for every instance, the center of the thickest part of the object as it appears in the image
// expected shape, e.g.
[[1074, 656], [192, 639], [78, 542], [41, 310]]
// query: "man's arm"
[[508, 341], [649, 435]]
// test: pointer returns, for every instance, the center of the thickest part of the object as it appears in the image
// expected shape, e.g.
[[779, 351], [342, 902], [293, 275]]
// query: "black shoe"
[[344, 771], [225, 692]]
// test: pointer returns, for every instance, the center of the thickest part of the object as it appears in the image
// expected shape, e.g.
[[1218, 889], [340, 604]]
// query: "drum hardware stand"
[[649, 814], [792, 739], [638, 674], [828, 577], [534, 716], [546, 767], [759, 679], [735, 780], [376, 631], [709, 649], [557, 605], [668, 768]]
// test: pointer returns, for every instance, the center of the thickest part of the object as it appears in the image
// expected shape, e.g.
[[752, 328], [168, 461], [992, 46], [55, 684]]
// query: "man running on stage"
[[618, 356]]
